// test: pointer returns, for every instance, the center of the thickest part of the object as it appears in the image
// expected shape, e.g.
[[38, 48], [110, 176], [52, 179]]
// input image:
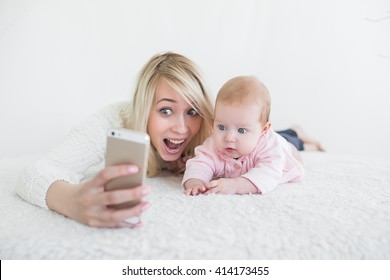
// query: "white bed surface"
[[340, 211]]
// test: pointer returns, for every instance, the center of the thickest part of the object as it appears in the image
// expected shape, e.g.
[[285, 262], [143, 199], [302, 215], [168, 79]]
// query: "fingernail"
[[140, 224], [132, 169], [145, 191], [132, 220], [145, 206]]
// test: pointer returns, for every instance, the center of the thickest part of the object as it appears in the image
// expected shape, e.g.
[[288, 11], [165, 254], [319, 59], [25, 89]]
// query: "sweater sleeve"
[[81, 149]]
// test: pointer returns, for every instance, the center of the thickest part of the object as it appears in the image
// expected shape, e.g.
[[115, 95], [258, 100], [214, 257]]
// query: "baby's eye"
[[192, 112], [166, 111], [221, 127], [241, 130]]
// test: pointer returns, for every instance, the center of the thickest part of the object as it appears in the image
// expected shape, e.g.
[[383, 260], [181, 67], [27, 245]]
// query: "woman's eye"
[[221, 127], [192, 112], [241, 130], [166, 111]]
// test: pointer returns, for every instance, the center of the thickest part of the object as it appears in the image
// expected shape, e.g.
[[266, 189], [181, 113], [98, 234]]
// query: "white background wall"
[[326, 63]]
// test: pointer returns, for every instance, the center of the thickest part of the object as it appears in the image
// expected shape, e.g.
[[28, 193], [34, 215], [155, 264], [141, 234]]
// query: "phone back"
[[127, 147]]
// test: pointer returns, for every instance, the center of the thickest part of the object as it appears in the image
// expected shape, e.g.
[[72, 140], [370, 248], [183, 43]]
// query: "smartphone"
[[126, 146]]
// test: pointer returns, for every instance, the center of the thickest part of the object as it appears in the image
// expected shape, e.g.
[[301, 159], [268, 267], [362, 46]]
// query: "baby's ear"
[[266, 127]]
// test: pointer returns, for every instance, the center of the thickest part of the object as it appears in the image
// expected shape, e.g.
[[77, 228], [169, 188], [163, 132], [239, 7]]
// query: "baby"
[[244, 154]]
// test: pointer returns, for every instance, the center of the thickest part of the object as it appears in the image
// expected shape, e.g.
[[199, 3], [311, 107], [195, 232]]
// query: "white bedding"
[[340, 211]]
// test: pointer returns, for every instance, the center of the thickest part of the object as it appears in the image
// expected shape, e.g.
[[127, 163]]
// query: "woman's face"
[[172, 122]]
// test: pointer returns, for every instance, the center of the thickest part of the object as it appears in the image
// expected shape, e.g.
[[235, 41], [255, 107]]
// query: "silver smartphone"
[[126, 146]]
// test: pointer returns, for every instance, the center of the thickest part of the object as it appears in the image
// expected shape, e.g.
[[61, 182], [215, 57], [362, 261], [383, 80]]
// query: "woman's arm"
[[87, 202], [81, 149]]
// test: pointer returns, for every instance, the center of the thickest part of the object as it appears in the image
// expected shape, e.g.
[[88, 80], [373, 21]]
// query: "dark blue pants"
[[292, 137]]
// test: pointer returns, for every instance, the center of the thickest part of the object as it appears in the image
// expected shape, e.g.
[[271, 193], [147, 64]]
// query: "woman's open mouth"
[[173, 145]]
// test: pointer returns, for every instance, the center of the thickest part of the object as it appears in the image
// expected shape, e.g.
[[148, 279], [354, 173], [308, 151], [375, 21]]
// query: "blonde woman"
[[170, 103]]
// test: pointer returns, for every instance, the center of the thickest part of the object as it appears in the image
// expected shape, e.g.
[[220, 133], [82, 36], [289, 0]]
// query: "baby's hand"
[[237, 185], [221, 186], [194, 187], [196, 190]]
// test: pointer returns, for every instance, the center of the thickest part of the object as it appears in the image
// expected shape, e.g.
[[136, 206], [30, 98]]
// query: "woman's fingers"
[[129, 217], [110, 218], [120, 196], [138, 225], [112, 172], [94, 200]]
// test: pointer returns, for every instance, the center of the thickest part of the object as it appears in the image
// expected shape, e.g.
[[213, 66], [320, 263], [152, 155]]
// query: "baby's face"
[[237, 128]]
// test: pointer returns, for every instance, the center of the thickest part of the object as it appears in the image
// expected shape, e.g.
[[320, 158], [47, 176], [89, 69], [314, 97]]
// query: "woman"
[[170, 103]]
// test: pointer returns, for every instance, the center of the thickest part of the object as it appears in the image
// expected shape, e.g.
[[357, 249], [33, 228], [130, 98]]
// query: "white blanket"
[[340, 211]]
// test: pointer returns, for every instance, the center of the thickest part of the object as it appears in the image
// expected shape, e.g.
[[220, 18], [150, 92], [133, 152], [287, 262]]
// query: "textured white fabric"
[[340, 211]]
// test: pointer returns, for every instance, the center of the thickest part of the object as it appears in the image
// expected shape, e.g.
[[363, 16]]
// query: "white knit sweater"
[[82, 149]]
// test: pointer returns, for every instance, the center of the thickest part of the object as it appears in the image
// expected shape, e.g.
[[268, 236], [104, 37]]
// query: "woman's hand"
[[87, 202]]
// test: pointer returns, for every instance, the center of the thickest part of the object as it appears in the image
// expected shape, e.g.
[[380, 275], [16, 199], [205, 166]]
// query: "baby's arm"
[[194, 187], [239, 185], [200, 169]]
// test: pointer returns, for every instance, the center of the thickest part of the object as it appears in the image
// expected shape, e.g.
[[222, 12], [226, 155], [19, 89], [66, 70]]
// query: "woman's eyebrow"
[[166, 99]]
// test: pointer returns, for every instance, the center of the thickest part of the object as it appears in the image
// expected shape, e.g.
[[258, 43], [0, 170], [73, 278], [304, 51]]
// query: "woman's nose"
[[180, 125]]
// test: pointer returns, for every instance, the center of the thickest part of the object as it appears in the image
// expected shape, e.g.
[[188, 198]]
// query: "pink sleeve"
[[268, 169], [273, 164], [202, 166]]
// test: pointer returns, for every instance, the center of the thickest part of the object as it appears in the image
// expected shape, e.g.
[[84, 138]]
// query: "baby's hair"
[[246, 89]]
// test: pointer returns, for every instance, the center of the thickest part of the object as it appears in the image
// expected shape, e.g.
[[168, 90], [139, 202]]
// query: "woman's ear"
[[266, 127]]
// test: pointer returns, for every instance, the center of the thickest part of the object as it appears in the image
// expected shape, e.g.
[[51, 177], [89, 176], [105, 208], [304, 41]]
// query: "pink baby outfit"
[[269, 164]]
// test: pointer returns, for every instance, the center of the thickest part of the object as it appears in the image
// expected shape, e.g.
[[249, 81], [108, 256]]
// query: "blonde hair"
[[185, 77], [246, 88]]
